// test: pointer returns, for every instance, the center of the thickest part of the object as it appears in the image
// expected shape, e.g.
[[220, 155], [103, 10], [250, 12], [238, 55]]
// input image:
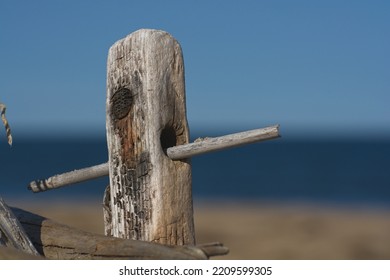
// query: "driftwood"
[[56, 241], [12, 233], [68, 178], [150, 195], [212, 144], [200, 146]]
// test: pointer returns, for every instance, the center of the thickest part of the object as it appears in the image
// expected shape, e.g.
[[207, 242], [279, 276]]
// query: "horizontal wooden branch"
[[212, 144], [57, 241], [200, 146], [69, 178]]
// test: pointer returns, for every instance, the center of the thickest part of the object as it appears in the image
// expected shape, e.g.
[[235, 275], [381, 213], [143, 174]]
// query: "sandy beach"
[[255, 230]]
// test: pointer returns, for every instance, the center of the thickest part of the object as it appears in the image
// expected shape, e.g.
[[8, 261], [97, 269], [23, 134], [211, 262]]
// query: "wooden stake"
[[200, 146], [150, 195]]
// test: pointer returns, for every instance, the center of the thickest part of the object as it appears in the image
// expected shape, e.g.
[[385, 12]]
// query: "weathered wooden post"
[[149, 197]]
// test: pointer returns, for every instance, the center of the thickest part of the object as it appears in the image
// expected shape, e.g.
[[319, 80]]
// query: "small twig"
[[3, 108], [213, 249]]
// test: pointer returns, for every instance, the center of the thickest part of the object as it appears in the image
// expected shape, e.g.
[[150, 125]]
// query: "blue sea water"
[[327, 171]]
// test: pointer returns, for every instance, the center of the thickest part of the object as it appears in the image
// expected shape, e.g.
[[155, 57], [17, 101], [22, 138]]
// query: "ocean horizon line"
[[305, 135]]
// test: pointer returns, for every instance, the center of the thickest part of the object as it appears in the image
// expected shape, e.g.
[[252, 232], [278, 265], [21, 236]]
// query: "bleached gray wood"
[[12, 233], [200, 146], [57, 241], [69, 178], [208, 145], [150, 195]]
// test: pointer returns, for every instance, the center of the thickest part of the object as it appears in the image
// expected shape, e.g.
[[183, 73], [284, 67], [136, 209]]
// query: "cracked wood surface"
[[12, 234], [149, 197], [57, 241]]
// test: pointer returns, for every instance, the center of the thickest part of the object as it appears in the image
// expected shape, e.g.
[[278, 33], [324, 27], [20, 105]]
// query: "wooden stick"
[[207, 145], [200, 146], [69, 178], [12, 233]]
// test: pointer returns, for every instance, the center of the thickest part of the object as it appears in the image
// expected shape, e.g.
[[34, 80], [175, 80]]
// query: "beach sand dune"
[[265, 231]]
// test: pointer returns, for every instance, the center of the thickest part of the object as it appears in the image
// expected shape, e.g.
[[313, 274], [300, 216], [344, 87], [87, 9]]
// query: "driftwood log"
[[57, 241]]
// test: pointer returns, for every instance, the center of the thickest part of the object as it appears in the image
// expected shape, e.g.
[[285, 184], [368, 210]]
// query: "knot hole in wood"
[[168, 138]]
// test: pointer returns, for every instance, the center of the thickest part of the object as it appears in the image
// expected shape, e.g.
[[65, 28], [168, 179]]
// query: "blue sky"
[[314, 67]]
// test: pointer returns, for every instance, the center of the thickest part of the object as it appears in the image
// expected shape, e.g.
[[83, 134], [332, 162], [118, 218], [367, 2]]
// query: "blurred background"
[[319, 69]]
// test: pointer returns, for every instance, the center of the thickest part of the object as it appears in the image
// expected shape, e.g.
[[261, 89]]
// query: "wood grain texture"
[[150, 195], [68, 178], [57, 241], [11, 232], [212, 144]]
